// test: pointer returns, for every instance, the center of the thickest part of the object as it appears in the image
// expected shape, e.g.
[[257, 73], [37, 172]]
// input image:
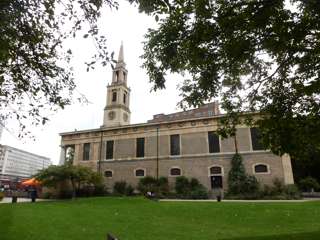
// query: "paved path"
[[21, 200]]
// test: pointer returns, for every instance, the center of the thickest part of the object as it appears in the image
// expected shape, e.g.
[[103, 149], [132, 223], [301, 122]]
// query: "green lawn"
[[140, 219]]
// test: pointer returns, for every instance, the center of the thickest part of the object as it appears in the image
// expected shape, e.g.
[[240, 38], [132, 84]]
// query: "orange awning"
[[31, 182]]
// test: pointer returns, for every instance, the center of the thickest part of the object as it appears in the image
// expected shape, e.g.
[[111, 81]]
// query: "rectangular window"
[[140, 147], [175, 144], [124, 98], [214, 144], [114, 96], [109, 149], [86, 151], [256, 139]]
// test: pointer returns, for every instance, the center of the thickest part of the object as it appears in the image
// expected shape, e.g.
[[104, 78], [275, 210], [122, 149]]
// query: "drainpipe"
[[100, 153], [157, 169]]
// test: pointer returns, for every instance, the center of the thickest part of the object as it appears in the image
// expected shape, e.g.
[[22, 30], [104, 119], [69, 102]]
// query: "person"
[[33, 194]]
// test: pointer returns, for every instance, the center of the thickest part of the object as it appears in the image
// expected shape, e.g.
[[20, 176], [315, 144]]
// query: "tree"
[[264, 52], [239, 182], [35, 75], [77, 176]]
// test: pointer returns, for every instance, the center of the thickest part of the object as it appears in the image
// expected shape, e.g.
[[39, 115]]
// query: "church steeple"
[[120, 56], [117, 110], [120, 72]]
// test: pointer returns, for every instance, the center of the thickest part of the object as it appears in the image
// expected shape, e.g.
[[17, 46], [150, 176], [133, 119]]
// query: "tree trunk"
[[236, 143]]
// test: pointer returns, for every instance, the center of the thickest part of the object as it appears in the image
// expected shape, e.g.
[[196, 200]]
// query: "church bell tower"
[[117, 112]]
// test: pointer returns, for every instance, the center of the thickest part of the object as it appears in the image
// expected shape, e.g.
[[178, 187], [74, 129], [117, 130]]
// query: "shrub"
[[129, 190], [239, 182], [292, 191], [147, 184], [278, 187], [120, 188], [163, 185], [65, 194], [199, 192], [1, 195], [250, 185], [182, 186], [308, 184], [280, 191], [190, 189], [100, 190]]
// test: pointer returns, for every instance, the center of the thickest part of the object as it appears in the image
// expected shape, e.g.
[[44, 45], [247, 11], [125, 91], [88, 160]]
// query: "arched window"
[[175, 171], [108, 174], [139, 172], [215, 170], [261, 168]]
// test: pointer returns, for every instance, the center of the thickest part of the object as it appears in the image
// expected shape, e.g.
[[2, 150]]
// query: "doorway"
[[215, 174], [216, 182]]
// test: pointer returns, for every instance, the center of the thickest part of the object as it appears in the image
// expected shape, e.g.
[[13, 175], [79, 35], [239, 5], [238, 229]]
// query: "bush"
[[199, 192], [163, 185], [65, 194], [1, 195], [150, 184], [190, 189], [147, 184], [250, 185], [129, 190], [292, 192], [239, 182], [119, 188], [100, 190], [182, 186], [278, 187], [308, 184]]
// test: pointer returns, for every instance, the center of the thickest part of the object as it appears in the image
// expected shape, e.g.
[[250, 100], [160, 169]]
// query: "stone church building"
[[179, 144]]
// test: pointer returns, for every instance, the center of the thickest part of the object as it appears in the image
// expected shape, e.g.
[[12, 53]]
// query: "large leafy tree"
[[34, 70], [254, 55], [77, 176]]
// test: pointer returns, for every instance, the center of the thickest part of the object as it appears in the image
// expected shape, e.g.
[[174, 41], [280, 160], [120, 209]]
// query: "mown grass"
[[140, 219]]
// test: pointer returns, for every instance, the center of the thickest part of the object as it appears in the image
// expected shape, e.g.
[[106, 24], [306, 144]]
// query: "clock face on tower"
[[111, 115], [125, 117]]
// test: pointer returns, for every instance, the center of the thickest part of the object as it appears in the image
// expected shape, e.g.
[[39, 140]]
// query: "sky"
[[126, 25]]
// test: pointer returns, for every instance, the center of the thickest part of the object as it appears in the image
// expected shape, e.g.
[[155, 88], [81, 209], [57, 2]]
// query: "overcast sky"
[[129, 26]]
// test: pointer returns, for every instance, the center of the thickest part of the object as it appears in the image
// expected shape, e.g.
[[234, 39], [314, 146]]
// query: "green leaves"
[[254, 55], [35, 76]]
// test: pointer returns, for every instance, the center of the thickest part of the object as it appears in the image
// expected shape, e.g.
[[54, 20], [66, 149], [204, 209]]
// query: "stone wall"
[[196, 167], [194, 160]]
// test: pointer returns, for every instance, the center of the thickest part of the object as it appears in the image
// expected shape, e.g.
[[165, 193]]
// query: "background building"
[[16, 163]]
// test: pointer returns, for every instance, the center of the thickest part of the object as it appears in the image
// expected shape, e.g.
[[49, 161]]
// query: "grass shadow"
[[292, 236]]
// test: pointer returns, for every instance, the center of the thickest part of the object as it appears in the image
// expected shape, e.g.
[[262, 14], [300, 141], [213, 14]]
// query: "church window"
[[139, 172], [109, 149], [114, 96], [124, 97], [86, 151], [140, 147], [175, 144], [117, 76], [256, 139], [261, 168], [215, 170], [175, 171], [108, 174], [214, 144]]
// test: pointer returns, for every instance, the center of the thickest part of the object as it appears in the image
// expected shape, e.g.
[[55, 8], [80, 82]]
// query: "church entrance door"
[[216, 182]]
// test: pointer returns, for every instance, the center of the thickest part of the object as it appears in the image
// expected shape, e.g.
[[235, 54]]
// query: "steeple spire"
[[121, 57]]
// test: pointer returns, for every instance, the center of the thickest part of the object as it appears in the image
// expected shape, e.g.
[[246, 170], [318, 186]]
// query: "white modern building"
[[16, 163]]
